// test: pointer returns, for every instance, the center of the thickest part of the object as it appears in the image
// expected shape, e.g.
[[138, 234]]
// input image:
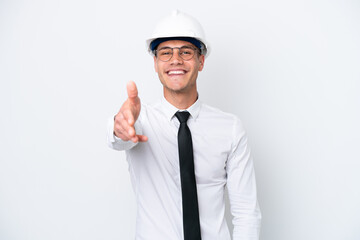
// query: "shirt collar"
[[169, 110]]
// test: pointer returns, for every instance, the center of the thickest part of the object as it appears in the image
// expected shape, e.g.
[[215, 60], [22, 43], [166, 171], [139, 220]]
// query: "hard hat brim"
[[205, 50]]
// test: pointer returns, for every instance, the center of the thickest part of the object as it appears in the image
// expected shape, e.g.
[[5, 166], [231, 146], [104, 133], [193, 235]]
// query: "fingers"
[[139, 138], [142, 138], [132, 91], [128, 116], [124, 129]]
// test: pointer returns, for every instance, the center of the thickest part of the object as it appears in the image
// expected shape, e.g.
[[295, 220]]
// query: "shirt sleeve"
[[241, 185], [117, 143]]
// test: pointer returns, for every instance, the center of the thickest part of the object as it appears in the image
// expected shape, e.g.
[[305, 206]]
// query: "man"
[[181, 152]]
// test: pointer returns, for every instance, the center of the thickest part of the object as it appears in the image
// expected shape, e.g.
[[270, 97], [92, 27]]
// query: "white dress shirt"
[[221, 158]]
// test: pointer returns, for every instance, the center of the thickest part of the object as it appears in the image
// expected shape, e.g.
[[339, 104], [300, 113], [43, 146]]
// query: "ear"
[[155, 64], [202, 61]]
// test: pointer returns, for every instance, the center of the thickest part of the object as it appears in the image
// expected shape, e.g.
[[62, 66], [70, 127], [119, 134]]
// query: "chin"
[[174, 89], [174, 85], [177, 89]]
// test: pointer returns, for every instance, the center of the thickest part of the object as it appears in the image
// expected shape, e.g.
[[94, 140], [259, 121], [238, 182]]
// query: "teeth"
[[176, 72]]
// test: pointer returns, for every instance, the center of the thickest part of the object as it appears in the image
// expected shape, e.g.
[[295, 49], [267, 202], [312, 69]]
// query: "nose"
[[176, 59]]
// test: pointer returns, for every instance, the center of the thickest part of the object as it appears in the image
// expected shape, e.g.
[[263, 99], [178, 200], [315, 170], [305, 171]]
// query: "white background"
[[289, 69]]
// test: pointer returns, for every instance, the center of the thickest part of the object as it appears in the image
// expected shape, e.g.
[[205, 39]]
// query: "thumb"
[[132, 91]]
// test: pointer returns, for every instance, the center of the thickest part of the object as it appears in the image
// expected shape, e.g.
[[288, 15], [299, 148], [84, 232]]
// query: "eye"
[[186, 51], [165, 52]]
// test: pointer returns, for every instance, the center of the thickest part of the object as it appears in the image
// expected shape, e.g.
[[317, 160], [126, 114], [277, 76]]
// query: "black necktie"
[[191, 221]]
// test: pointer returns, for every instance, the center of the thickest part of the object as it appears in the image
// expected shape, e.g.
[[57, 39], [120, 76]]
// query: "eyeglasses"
[[166, 53]]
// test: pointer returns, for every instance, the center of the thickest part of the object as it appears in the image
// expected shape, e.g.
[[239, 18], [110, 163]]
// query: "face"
[[178, 75]]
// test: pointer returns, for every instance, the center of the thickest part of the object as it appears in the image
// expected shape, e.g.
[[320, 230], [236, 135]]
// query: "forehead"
[[175, 43]]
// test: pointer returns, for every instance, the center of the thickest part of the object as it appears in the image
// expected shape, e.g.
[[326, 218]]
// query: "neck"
[[181, 100]]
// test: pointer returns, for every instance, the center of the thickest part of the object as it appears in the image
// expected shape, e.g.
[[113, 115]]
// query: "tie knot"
[[182, 116]]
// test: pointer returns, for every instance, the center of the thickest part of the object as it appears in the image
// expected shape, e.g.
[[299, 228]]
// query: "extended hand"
[[127, 116]]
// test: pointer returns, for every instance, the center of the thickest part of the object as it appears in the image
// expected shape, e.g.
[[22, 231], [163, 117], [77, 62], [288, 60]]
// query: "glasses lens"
[[186, 53], [165, 54]]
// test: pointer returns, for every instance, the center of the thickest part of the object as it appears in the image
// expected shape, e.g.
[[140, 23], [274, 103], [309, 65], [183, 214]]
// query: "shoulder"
[[220, 119], [209, 112]]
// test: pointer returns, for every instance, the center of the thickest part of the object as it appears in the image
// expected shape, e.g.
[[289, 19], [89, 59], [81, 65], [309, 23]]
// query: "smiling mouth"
[[176, 72]]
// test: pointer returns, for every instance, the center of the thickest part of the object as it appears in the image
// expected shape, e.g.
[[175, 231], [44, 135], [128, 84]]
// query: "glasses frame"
[[172, 52]]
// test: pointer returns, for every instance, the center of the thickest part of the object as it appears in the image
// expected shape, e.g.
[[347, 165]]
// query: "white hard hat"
[[179, 24]]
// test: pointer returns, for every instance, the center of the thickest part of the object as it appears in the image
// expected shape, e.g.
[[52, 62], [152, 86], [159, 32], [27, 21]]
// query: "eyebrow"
[[184, 46]]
